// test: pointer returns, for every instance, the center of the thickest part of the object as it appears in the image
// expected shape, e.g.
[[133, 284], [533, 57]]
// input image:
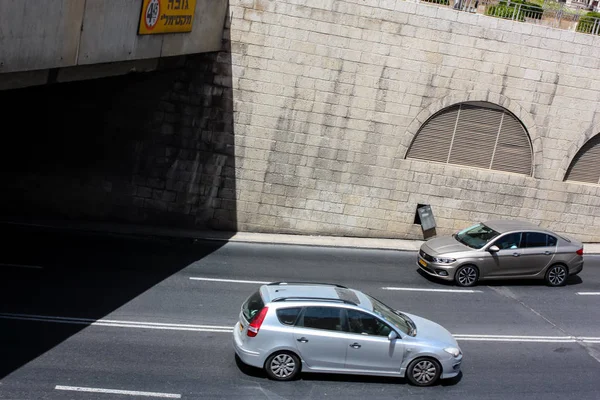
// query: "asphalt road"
[[152, 318]]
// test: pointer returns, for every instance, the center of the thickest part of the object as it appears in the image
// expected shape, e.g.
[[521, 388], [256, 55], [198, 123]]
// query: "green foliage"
[[587, 23], [511, 10], [504, 11]]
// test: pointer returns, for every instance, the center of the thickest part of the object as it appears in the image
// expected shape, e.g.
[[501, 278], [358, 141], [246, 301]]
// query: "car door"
[[320, 337], [539, 250], [368, 346], [507, 261]]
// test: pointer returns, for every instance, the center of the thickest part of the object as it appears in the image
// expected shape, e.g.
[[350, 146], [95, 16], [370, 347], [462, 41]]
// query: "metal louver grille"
[[434, 138], [475, 136], [585, 167], [513, 151]]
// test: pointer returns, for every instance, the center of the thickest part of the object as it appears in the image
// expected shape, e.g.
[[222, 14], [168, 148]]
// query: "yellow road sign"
[[166, 16]]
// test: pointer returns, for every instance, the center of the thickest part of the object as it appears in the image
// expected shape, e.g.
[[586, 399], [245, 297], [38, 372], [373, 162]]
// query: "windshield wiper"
[[409, 322]]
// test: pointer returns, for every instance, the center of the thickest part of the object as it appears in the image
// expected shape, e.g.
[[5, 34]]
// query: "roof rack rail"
[[306, 283], [306, 298]]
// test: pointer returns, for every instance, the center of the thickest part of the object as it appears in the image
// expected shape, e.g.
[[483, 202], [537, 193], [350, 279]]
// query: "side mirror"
[[493, 249], [393, 335]]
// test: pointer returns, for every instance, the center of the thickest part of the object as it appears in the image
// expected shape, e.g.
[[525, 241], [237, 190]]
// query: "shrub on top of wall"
[[507, 10], [588, 22]]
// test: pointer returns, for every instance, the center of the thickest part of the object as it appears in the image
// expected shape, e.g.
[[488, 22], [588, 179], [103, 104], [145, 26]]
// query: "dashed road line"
[[21, 266], [431, 290], [228, 280], [117, 323], [117, 391], [588, 293]]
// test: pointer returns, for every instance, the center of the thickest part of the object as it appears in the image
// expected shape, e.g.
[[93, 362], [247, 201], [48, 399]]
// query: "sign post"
[[166, 16]]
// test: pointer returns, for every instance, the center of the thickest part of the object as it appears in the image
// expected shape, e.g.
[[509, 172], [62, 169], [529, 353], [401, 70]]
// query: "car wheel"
[[557, 275], [467, 275], [423, 371], [282, 366]]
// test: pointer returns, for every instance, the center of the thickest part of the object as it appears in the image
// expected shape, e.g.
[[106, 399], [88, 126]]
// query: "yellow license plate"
[[422, 262], [241, 327]]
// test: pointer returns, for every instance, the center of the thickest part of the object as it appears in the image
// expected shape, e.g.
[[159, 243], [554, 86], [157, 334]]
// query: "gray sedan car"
[[290, 327], [502, 249]]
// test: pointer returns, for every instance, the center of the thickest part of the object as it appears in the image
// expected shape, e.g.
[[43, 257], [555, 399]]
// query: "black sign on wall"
[[424, 217]]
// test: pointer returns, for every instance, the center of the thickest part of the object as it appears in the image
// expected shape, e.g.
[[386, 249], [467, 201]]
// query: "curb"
[[125, 230]]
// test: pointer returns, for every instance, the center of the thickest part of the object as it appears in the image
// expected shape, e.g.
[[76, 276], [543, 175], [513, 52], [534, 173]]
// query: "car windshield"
[[393, 317], [476, 236]]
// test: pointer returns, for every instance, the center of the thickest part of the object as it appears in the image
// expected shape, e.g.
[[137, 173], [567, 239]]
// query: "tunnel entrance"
[[152, 148]]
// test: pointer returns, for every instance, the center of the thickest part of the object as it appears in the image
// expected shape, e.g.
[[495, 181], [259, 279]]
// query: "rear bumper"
[[248, 356], [575, 269]]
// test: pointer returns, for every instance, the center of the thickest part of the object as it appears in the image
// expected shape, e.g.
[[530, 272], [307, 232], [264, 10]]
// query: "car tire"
[[557, 275], [466, 276], [423, 371], [282, 366]]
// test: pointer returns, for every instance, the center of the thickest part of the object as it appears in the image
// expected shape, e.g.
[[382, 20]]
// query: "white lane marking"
[[522, 338], [116, 391], [588, 293], [227, 280], [117, 323], [21, 266], [229, 329], [431, 290]]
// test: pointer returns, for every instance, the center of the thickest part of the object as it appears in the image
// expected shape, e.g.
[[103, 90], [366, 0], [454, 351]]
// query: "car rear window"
[[288, 316], [252, 306]]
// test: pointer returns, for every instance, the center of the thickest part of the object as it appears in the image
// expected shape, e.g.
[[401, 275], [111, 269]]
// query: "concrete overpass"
[[45, 41]]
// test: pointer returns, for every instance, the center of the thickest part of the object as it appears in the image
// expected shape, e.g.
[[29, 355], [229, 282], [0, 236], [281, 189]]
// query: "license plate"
[[241, 327], [422, 262]]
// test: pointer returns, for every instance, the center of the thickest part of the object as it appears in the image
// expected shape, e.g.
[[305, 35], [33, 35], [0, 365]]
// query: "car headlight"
[[444, 260], [453, 351]]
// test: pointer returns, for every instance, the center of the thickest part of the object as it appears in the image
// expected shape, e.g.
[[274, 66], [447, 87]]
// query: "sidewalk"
[[243, 237]]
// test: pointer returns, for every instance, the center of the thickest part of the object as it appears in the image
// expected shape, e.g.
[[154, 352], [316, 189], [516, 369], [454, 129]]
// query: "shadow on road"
[[572, 280], [259, 373], [75, 275]]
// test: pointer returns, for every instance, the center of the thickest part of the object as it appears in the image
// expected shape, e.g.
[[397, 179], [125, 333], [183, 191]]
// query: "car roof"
[[507, 225], [314, 292]]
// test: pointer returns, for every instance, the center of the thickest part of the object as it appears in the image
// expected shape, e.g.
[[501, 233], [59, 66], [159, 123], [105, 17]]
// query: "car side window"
[[510, 241], [551, 241], [536, 239], [327, 318], [366, 324], [288, 316]]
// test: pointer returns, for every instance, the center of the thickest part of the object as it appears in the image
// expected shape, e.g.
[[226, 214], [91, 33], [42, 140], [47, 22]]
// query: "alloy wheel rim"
[[424, 371], [283, 366], [557, 275], [467, 276]]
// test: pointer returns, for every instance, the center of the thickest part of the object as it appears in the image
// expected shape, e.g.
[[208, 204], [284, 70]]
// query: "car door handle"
[[547, 253], [355, 346], [302, 340], [516, 254]]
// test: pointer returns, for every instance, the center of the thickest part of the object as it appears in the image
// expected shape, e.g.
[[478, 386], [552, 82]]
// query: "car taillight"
[[257, 322], [580, 252]]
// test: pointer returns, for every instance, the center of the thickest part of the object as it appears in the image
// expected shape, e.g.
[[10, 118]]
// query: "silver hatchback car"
[[502, 249], [290, 327]]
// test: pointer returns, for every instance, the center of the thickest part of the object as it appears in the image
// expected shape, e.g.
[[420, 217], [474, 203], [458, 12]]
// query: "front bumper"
[[441, 271], [451, 367]]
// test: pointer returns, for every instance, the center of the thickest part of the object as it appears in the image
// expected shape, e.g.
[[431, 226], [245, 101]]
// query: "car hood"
[[431, 331], [444, 245]]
